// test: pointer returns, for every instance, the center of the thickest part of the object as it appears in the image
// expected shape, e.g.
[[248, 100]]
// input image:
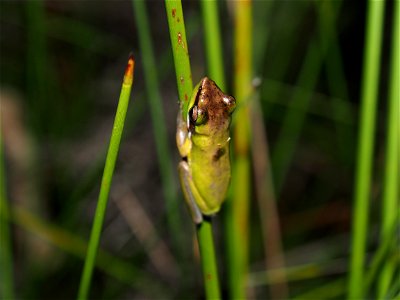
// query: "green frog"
[[203, 142]]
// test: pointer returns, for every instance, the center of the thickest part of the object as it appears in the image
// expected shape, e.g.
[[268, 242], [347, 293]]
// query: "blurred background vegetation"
[[61, 66]]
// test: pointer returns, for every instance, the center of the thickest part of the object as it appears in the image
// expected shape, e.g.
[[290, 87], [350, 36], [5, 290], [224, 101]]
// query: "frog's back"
[[211, 171]]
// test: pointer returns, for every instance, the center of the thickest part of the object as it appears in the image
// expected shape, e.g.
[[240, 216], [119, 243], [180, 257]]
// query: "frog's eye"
[[230, 102], [197, 116]]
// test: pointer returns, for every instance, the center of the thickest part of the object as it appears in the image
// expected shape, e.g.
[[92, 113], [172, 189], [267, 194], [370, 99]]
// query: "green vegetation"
[[391, 193], [369, 96], [111, 158], [312, 211]]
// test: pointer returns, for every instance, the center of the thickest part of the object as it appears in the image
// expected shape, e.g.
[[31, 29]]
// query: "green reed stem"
[[180, 52], [390, 202], [362, 189], [157, 117], [184, 81], [6, 256], [237, 232], [238, 208], [212, 37], [215, 67], [208, 259], [106, 180]]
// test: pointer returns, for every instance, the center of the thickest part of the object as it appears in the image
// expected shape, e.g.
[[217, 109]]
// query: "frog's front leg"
[[189, 192], [182, 136]]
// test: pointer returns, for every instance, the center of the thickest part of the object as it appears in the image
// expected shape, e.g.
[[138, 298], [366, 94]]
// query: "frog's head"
[[210, 108]]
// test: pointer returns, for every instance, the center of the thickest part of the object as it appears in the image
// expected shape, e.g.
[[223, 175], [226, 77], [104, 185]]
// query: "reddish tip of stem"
[[130, 67]]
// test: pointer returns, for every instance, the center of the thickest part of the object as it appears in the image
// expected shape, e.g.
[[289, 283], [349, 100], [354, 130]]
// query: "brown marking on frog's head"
[[212, 108]]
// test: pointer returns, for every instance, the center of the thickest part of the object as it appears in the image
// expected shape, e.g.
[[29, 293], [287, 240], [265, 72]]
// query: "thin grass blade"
[[369, 93], [106, 180], [212, 37], [390, 202]]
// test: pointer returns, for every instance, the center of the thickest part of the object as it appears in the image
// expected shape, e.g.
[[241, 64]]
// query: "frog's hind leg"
[[186, 178]]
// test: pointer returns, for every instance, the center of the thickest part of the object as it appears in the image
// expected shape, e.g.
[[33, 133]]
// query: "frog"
[[202, 139]]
